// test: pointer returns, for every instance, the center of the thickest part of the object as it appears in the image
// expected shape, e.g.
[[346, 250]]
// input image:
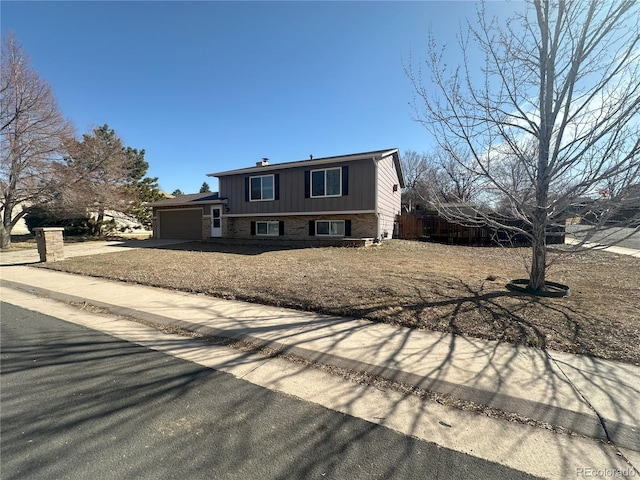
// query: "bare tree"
[[551, 118], [435, 178], [452, 179], [32, 129], [417, 171]]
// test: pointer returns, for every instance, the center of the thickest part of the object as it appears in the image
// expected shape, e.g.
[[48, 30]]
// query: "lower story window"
[[333, 228], [268, 228]]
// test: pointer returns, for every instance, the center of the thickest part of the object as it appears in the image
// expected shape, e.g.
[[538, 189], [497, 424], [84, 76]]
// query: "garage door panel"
[[181, 224]]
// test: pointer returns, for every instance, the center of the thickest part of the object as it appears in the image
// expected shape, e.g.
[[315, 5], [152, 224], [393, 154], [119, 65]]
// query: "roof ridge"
[[310, 161]]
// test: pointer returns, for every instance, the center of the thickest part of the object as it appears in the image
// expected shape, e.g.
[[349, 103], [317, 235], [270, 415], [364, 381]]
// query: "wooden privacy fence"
[[431, 227]]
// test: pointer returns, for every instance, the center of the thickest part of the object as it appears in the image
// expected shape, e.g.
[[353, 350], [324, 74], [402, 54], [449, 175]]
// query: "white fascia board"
[[376, 193], [396, 163], [299, 214], [189, 204], [176, 209]]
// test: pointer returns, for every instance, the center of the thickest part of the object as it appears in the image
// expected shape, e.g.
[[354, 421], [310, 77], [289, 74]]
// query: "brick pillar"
[[50, 244]]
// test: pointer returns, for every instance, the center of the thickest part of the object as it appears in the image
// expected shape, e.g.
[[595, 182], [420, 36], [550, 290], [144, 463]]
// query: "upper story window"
[[261, 188], [326, 182]]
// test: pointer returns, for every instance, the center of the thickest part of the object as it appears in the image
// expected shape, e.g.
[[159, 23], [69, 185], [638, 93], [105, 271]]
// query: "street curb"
[[585, 424]]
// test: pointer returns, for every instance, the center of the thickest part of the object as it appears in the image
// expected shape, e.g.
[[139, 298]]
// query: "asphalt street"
[[78, 404]]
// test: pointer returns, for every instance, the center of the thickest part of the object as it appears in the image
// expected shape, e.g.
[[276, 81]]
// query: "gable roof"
[[189, 199], [374, 155]]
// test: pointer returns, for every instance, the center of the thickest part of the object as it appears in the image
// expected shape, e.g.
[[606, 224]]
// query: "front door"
[[216, 221]]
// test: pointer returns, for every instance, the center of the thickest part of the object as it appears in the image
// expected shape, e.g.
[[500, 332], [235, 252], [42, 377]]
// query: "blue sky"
[[210, 86]]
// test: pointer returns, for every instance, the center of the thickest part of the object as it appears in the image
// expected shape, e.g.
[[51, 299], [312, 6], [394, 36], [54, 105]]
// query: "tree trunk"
[[6, 227], [5, 237], [539, 253]]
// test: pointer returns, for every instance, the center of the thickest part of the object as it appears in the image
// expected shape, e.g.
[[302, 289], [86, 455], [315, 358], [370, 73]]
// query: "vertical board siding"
[[361, 191], [388, 202]]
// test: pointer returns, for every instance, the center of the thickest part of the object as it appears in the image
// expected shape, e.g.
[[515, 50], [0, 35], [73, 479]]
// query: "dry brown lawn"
[[419, 285], [22, 242]]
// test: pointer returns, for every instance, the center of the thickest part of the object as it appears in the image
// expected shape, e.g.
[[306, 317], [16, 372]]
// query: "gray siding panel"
[[361, 192]]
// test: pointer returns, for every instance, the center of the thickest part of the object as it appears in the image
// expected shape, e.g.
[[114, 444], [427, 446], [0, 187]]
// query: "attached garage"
[[180, 223], [188, 217]]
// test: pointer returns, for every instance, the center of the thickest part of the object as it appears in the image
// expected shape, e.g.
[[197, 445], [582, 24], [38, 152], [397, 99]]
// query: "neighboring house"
[[353, 196], [122, 222], [21, 227]]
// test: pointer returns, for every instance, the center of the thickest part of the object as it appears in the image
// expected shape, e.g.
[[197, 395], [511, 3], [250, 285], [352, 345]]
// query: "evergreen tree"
[[108, 176]]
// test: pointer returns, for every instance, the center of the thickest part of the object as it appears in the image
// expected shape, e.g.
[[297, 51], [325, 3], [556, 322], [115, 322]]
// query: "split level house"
[[344, 199]]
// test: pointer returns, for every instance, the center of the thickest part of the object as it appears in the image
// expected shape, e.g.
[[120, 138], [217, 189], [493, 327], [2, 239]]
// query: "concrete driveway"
[[25, 257]]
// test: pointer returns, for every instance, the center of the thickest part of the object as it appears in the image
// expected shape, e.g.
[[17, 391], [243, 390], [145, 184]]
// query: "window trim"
[[273, 188], [324, 170], [267, 222], [330, 222]]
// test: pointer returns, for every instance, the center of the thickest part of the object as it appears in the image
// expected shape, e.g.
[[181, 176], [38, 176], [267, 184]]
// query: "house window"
[[269, 229], [261, 188], [332, 228], [326, 183]]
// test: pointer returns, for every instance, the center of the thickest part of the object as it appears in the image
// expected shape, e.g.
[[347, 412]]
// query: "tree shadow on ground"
[[316, 443], [488, 373], [80, 403], [490, 311]]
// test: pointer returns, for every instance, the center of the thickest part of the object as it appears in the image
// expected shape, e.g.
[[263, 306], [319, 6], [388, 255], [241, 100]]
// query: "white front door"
[[216, 221]]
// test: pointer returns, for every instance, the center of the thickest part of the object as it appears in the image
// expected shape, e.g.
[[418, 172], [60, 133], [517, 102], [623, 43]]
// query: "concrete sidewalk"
[[633, 252], [92, 247], [597, 398]]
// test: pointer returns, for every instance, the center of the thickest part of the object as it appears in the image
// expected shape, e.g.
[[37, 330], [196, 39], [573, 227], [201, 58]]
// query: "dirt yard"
[[419, 285]]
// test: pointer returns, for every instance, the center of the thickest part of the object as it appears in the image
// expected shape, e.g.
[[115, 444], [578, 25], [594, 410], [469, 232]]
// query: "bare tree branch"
[[31, 139], [549, 122]]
